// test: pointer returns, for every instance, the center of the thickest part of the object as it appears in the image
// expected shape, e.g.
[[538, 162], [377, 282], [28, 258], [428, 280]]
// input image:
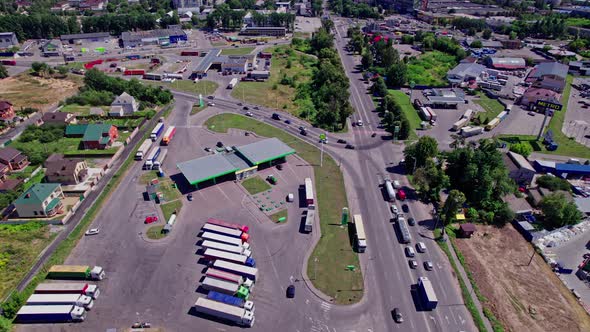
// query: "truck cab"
[[97, 273]]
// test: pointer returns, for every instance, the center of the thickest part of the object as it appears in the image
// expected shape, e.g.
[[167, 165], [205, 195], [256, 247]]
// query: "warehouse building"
[[235, 165], [153, 37], [85, 37], [264, 31], [8, 40], [506, 63]]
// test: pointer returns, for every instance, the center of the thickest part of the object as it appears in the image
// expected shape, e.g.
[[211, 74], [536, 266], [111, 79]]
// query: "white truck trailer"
[[224, 311], [61, 299], [143, 149], [91, 290]]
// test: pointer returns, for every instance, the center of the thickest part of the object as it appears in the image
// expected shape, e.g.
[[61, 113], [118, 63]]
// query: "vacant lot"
[[29, 91], [431, 69], [19, 247], [237, 51], [523, 297], [82, 109]]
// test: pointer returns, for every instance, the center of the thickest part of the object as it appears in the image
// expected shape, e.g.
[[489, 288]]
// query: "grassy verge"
[[431, 68], [237, 51], [37, 178], [196, 109], [281, 214], [155, 232], [203, 87], [169, 208], [406, 104], [148, 176], [491, 106], [327, 264], [469, 303], [255, 185]]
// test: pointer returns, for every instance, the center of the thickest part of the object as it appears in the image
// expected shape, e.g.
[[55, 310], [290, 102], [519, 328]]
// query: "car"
[[324, 141], [303, 132], [291, 291], [219, 144], [411, 221], [288, 121], [249, 114], [359, 123], [210, 104], [246, 108], [276, 116], [92, 231], [373, 134], [405, 208], [413, 264], [189, 197], [531, 113], [210, 97], [208, 149], [428, 266], [150, 219], [280, 167], [394, 209], [342, 141], [397, 315], [302, 128], [240, 104], [421, 247], [256, 107], [349, 146], [409, 251]]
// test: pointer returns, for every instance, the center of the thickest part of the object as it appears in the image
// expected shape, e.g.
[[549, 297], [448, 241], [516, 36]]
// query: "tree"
[[487, 34], [379, 88], [430, 180], [367, 59], [3, 72], [454, 202], [397, 75], [522, 149], [476, 44], [558, 211], [512, 35], [553, 183], [418, 153]]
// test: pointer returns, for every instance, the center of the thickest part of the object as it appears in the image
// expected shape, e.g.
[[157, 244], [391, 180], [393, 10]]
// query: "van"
[[396, 184], [290, 197], [410, 252], [421, 247]]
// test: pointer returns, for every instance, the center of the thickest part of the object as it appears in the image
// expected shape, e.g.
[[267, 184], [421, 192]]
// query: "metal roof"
[[86, 35], [572, 168], [206, 168], [583, 204], [549, 68], [520, 161], [206, 62], [265, 150]]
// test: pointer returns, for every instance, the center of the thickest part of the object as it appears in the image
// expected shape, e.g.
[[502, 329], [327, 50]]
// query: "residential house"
[[125, 104], [464, 72], [548, 75], [519, 169], [14, 159], [58, 118], [8, 40], [94, 136], [65, 170], [41, 200], [6, 111], [532, 95], [6, 183]]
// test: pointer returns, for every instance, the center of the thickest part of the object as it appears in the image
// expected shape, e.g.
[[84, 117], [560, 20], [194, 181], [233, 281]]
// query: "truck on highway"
[[226, 231], [227, 276], [168, 135], [309, 218], [157, 164], [157, 131], [225, 239], [388, 185], [308, 191], [151, 157], [232, 83], [213, 254], [143, 149], [68, 288], [50, 314], [226, 247], [224, 311], [404, 231], [426, 293], [242, 270], [222, 223], [76, 272], [61, 299], [471, 131], [231, 300]]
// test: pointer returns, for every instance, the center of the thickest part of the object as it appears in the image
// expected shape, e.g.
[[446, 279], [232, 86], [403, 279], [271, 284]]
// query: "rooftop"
[[206, 168], [520, 161], [85, 35], [549, 68], [265, 150], [37, 193], [8, 153], [134, 35], [508, 63]]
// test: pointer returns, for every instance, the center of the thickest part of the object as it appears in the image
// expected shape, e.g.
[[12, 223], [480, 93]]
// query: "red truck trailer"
[[130, 72], [189, 53]]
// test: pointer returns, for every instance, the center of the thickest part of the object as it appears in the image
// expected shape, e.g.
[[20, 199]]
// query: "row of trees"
[[550, 26], [38, 26], [286, 20], [116, 24], [393, 116], [349, 8], [225, 17]]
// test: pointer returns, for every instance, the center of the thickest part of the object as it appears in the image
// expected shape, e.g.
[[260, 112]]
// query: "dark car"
[[256, 108], [341, 141], [291, 291], [280, 167], [397, 315], [189, 197], [246, 108], [405, 208], [288, 121], [349, 146], [276, 116], [219, 144], [303, 132], [411, 222]]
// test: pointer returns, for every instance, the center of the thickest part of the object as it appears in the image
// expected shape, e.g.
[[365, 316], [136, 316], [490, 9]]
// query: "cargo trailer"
[[212, 254], [224, 311], [50, 314], [231, 300], [242, 270], [143, 149], [222, 223], [224, 239], [61, 299], [227, 276], [226, 231], [68, 288], [76, 272]]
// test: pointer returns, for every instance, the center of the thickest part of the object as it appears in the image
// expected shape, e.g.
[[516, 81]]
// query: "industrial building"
[[548, 75], [465, 72], [264, 31], [238, 164], [85, 37], [8, 40], [506, 63], [153, 37]]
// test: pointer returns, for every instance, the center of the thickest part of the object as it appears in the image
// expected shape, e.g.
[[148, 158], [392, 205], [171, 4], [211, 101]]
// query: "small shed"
[[466, 230]]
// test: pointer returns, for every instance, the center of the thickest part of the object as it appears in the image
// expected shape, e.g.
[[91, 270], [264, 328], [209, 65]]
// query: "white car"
[[249, 114], [210, 104], [92, 231], [394, 209], [359, 123]]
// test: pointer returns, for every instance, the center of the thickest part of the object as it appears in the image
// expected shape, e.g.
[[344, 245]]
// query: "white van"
[[421, 247], [410, 251], [396, 184]]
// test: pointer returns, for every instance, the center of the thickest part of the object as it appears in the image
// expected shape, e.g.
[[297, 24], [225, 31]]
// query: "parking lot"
[[157, 280], [577, 118]]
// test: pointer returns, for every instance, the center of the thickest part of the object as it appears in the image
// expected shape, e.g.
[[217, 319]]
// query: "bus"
[[389, 189], [226, 247], [241, 270], [404, 231], [213, 254], [361, 238], [224, 239], [168, 135], [226, 231], [308, 191], [492, 124]]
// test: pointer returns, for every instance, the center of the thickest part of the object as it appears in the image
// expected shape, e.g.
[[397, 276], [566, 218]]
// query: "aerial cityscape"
[[300, 166]]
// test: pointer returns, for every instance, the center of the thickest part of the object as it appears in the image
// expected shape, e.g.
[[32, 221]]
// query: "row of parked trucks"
[[231, 276], [62, 301], [310, 215], [154, 156]]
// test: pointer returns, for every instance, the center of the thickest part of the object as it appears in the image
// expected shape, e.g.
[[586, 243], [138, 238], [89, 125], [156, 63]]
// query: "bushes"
[[97, 80], [553, 183], [11, 307], [44, 134], [521, 148], [92, 98]]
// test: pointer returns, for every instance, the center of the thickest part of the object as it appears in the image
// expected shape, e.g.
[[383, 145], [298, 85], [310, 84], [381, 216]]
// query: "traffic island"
[[156, 232], [279, 217]]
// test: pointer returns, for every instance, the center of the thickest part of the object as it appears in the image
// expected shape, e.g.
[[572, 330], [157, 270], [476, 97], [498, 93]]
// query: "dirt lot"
[[42, 93], [523, 298]]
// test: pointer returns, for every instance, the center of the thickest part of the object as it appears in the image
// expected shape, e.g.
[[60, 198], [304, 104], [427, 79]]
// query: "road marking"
[[461, 319]]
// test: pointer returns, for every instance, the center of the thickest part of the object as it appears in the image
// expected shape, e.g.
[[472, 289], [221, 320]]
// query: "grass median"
[[403, 100], [255, 185], [327, 264], [237, 51]]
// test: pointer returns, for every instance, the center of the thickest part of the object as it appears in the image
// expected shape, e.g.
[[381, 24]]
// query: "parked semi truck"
[[309, 218], [213, 254], [471, 131], [157, 164], [224, 311], [61, 299], [225, 287], [143, 149], [206, 244], [224, 239], [50, 314], [168, 135], [227, 276], [389, 190], [157, 131], [222, 223], [68, 288], [242, 270], [231, 300], [76, 272], [152, 157]]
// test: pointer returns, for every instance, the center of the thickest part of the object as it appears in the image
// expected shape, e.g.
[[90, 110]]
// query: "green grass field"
[[431, 68], [406, 104], [169, 208], [271, 93], [255, 185], [276, 216], [203, 87], [327, 264], [237, 51], [491, 106], [577, 22], [81, 109], [155, 232]]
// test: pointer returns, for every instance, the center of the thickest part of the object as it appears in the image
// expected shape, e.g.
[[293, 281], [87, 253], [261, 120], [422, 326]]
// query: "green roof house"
[[42, 200], [94, 135]]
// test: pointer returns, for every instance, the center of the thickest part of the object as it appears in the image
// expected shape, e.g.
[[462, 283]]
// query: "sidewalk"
[[463, 275]]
